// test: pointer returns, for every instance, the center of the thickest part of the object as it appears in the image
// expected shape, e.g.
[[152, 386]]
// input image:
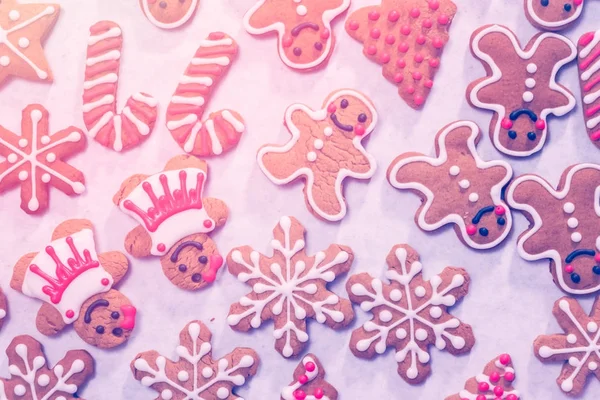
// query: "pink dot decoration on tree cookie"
[[407, 38], [309, 382], [496, 382], [117, 131], [35, 159], [222, 130]]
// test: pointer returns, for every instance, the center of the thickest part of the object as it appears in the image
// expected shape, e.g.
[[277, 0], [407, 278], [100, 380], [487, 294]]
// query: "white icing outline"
[[549, 24], [537, 221], [495, 192], [497, 75], [322, 115], [171, 25], [279, 27]]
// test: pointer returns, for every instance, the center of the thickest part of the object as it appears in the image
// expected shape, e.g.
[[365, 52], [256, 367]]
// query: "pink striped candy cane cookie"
[[589, 70], [119, 131], [222, 130]]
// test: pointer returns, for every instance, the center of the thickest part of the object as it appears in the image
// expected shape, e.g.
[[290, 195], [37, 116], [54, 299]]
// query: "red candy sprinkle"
[[434, 4], [578, 2], [70, 313], [512, 397], [105, 281], [443, 19], [471, 230], [569, 269], [331, 108], [385, 58], [374, 15], [483, 386], [506, 123], [325, 33], [400, 63], [421, 39], [540, 124], [437, 43], [299, 394], [405, 30], [428, 83], [494, 377], [481, 397], [509, 377], [427, 23], [393, 16], [303, 379], [498, 391], [161, 247], [500, 210], [597, 258], [419, 100], [410, 89], [287, 41], [375, 33], [390, 39], [415, 12], [207, 223], [417, 76], [403, 47], [419, 58], [310, 366], [504, 359], [318, 393], [371, 50], [398, 77], [353, 25], [359, 129], [434, 62]]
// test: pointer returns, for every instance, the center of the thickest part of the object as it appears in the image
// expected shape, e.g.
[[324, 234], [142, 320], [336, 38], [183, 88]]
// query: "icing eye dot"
[[196, 278], [182, 267], [596, 269], [117, 332], [575, 278], [297, 51], [362, 117], [544, 3], [568, 7], [501, 221], [531, 136], [203, 259], [483, 232], [163, 4], [344, 103], [99, 329], [115, 315], [319, 46], [512, 134]]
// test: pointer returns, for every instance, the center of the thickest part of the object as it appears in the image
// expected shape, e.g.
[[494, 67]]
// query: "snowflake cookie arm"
[[195, 376], [577, 347], [31, 377]]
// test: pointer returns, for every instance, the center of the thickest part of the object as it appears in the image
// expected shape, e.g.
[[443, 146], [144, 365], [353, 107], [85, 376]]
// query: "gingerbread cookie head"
[[77, 286], [326, 147], [520, 86], [553, 15], [175, 221], [305, 37], [457, 187], [564, 225], [169, 14]]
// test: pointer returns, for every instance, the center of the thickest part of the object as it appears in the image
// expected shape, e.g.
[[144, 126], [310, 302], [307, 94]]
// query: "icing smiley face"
[[350, 115], [303, 26], [553, 15], [193, 262], [169, 14], [107, 320]]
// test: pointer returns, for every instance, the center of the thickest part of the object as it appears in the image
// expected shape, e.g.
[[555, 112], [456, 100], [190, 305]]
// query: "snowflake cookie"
[[32, 379], [23, 27], [289, 287], [3, 308], [578, 348], [309, 382], [35, 159], [457, 187], [495, 383], [409, 313], [195, 375]]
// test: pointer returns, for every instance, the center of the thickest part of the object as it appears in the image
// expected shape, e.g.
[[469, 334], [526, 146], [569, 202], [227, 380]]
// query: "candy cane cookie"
[[118, 131], [222, 130], [589, 69]]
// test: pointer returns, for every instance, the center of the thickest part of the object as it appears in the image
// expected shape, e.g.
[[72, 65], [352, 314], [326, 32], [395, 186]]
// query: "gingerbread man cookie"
[[589, 69], [195, 375], [496, 382], [553, 15], [410, 314], [289, 287], [305, 38], [117, 131], [35, 159], [407, 38], [169, 14], [3, 308], [222, 130], [326, 147], [457, 187], [23, 27], [309, 382], [520, 86], [577, 348], [77, 286], [564, 225], [32, 379], [175, 221]]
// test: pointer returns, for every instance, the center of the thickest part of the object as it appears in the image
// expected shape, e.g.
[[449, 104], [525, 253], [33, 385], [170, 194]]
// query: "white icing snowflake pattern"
[[578, 347], [34, 159], [195, 376], [289, 287], [410, 314], [31, 378]]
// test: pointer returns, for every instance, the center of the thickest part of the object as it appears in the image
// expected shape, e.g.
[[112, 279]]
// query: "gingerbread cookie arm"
[[115, 263], [222, 130], [48, 321]]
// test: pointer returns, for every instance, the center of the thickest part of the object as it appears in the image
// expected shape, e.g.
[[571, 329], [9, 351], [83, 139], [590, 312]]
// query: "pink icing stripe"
[[586, 38], [588, 61], [102, 67], [591, 84], [104, 46], [593, 110], [595, 135], [176, 109], [100, 90]]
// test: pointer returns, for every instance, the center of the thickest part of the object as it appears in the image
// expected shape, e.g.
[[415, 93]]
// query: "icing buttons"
[[464, 184], [532, 68], [473, 197], [569, 208], [454, 170]]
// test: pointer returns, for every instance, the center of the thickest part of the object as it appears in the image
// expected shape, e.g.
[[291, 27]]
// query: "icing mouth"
[[481, 213], [88, 313], [579, 252], [304, 25], [182, 246], [344, 127]]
